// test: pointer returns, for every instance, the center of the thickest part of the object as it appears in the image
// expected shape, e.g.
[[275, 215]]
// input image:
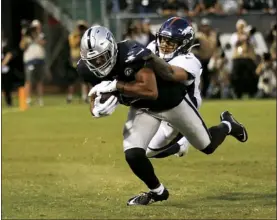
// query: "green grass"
[[58, 162]]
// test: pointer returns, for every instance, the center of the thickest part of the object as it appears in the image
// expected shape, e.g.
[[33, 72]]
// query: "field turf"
[[60, 163]]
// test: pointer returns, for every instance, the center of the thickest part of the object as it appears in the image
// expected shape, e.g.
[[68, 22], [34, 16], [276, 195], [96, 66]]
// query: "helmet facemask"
[[99, 51], [168, 46], [101, 64]]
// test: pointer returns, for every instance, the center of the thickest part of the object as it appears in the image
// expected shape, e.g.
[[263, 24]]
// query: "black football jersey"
[[131, 57]]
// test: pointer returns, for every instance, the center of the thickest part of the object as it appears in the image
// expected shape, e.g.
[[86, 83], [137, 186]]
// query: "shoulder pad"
[[138, 52], [189, 63]]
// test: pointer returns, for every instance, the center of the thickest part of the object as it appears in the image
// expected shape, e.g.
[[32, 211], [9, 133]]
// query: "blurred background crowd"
[[41, 48]]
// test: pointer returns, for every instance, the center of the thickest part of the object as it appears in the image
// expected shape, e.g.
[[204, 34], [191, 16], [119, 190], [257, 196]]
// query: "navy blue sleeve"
[[137, 57]]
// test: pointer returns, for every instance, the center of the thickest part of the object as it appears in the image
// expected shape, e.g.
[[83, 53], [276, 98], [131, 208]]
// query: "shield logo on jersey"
[[128, 71]]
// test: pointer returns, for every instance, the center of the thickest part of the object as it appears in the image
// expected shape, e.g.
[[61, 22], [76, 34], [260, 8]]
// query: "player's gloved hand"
[[106, 108], [104, 87], [96, 87]]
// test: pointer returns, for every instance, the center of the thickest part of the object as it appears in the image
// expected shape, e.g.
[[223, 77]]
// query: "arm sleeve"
[[190, 64]]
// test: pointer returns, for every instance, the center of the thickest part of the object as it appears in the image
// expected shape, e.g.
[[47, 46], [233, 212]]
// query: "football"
[[105, 97]]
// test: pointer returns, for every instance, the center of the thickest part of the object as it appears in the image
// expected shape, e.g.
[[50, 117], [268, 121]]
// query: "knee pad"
[[134, 154]]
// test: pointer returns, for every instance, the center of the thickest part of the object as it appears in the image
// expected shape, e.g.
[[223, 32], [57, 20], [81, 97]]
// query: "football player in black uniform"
[[151, 87]]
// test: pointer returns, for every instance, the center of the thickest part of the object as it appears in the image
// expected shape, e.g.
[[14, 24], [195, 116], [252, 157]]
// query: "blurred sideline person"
[[74, 40], [7, 69], [137, 32], [243, 76], [219, 86], [33, 45], [152, 88], [266, 71], [207, 38], [147, 31]]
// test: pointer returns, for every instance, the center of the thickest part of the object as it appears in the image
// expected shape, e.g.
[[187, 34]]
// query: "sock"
[[218, 134], [142, 167], [182, 141], [158, 190], [228, 124]]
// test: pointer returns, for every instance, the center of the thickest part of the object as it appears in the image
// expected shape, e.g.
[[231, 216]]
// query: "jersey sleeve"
[[190, 64], [137, 57]]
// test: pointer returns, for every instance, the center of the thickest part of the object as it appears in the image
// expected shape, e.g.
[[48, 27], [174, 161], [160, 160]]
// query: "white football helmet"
[[99, 50]]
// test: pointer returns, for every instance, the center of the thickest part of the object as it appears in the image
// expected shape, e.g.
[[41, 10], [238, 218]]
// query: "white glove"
[[96, 87], [104, 87], [106, 108]]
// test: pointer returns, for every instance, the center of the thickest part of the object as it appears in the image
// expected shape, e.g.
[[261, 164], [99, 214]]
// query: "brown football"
[[105, 97]]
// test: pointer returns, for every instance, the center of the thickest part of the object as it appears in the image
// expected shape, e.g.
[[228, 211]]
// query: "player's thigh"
[[186, 118], [139, 129], [164, 135]]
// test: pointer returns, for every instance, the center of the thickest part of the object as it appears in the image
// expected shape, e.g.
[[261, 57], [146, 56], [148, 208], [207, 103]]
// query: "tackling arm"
[[167, 71]]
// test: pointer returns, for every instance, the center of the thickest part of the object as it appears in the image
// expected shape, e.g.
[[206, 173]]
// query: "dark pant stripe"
[[197, 113]]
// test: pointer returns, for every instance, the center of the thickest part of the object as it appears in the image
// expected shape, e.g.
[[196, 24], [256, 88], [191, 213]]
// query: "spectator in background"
[[210, 7], [243, 76], [33, 44], [268, 6], [74, 40], [271, 35], [271, 39], [266, 71], [144, 6], [191, 7], [208, 40], [230, 6], [219, 86], [147, 31], [169, 7], [7, 69], [134, 32]]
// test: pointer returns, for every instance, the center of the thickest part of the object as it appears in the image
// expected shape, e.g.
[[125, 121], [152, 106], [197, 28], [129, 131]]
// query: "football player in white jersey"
[[168, 141]]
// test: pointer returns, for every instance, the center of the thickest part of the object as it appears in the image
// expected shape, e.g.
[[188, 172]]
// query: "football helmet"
[[175, 36], [99, 50]]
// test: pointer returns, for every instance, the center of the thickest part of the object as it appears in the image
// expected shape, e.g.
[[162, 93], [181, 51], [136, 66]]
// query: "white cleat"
[[184, 149]]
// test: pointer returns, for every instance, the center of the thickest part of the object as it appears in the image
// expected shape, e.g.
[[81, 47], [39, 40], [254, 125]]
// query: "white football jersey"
[[191, 65]]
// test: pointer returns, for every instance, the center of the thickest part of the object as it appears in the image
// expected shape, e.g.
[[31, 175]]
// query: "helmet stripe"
[[175, 19], [89, 43]]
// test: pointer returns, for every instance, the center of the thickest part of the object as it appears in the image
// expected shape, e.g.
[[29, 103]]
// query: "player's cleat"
[[184, 149], [147, 198], [238, 130]]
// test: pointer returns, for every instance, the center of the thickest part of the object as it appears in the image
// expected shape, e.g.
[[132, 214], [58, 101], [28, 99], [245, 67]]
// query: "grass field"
[[59, 163]]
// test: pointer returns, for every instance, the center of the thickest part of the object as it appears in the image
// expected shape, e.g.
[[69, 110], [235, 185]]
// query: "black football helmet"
[[175, 36]]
